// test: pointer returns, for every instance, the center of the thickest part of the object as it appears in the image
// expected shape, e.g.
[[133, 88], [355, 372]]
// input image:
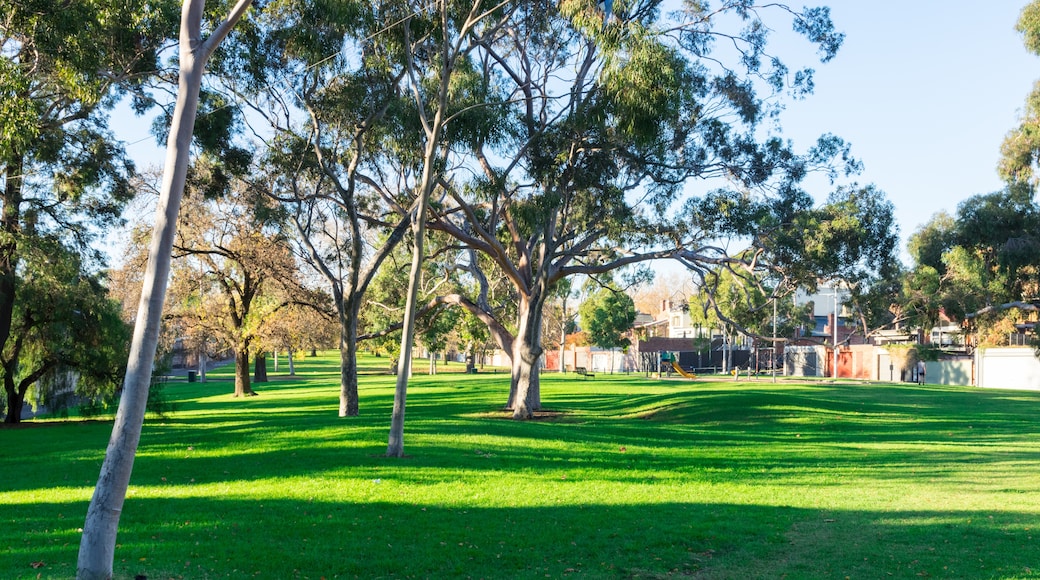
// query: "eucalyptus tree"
[[325, 81], [438, 41], [98, 543], [849, 241], [977, 263], [600, 123]]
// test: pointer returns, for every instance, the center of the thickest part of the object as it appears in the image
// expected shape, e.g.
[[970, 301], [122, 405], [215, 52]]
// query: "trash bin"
[[191, 376]]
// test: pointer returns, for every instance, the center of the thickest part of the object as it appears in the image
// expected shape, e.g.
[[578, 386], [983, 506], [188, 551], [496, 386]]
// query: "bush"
[[160, 404]]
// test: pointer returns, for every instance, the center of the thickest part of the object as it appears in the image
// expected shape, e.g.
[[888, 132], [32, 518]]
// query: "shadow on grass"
[[707, 433], [271, 538], [613, 434]]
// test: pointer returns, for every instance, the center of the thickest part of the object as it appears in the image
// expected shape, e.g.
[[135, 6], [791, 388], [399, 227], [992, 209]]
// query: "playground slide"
[[679, 369]]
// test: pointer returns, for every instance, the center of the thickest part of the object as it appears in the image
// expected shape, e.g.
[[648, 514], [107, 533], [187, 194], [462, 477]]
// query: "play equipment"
[[679, 369]]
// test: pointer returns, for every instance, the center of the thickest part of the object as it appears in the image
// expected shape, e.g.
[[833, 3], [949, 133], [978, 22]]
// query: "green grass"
[[628, 478]]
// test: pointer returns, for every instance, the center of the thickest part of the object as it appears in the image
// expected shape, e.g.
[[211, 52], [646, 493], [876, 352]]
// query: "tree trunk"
[[274, 355], [242, 385], [203, 362], [348, 379], [10, 223], [563, 337], [525, 385], [260, 368], [348, 388], [433, 129], [98, 543], [15, 401], [292, 366]]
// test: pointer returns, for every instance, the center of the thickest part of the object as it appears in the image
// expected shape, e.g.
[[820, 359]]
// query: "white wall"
[[949, 372], [1007, 368]]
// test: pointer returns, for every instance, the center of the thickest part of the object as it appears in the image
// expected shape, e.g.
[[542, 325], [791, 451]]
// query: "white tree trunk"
[[395, 441], [203, 361], [433, 129], [97, 546]]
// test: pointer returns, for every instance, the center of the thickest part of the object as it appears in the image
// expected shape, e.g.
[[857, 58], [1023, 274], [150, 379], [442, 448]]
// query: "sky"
[[924, 90]]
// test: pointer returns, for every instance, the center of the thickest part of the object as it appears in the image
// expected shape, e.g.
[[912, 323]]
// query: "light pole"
[[772, 363], [835, 329]]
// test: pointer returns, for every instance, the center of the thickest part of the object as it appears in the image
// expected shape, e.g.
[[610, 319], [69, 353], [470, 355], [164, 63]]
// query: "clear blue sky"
[[925, 91]]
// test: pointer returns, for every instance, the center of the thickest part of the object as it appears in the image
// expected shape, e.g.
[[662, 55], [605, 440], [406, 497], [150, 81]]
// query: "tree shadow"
[[203, 537], [348, 511]]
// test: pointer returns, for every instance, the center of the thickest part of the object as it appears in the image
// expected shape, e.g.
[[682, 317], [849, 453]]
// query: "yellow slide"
[[679, 369]]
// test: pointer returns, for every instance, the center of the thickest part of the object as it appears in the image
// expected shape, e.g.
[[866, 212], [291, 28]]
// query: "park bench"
[[583, 372]]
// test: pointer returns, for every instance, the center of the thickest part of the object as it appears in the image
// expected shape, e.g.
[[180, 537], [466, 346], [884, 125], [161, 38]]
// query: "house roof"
[[663, 343]]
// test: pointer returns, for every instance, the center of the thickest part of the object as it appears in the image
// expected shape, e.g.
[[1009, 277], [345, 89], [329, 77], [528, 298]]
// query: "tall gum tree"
[[605, 122], [326, 154], [438, 37], [98, 542]]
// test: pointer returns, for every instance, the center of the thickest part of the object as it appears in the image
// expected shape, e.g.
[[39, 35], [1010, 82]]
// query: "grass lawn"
[[628, 478]]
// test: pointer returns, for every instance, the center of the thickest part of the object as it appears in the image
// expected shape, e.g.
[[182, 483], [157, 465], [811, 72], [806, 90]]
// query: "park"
[[620, 476], [369, 188]]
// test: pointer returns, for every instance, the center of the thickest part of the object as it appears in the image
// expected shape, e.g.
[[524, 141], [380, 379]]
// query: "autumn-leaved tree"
[[247, 268]]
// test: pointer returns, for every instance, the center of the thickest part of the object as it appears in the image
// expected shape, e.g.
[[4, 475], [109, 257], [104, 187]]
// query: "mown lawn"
[[627, 477]]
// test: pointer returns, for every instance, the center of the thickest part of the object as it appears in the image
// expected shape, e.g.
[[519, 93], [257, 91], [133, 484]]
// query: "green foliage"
[[646, 87], [928, 244], [928, 352], [65, 179], [71, 338], [850, 241], [980, 259], [434, 328], [853, 237], [606, 316], [1020, 150], [62, 68]]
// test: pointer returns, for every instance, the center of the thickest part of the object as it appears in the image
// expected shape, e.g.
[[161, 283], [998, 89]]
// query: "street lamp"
[[835, 330], [835, 334], [772, 362]]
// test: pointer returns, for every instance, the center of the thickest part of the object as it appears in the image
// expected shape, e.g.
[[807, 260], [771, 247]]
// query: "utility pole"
[[835, 289]]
